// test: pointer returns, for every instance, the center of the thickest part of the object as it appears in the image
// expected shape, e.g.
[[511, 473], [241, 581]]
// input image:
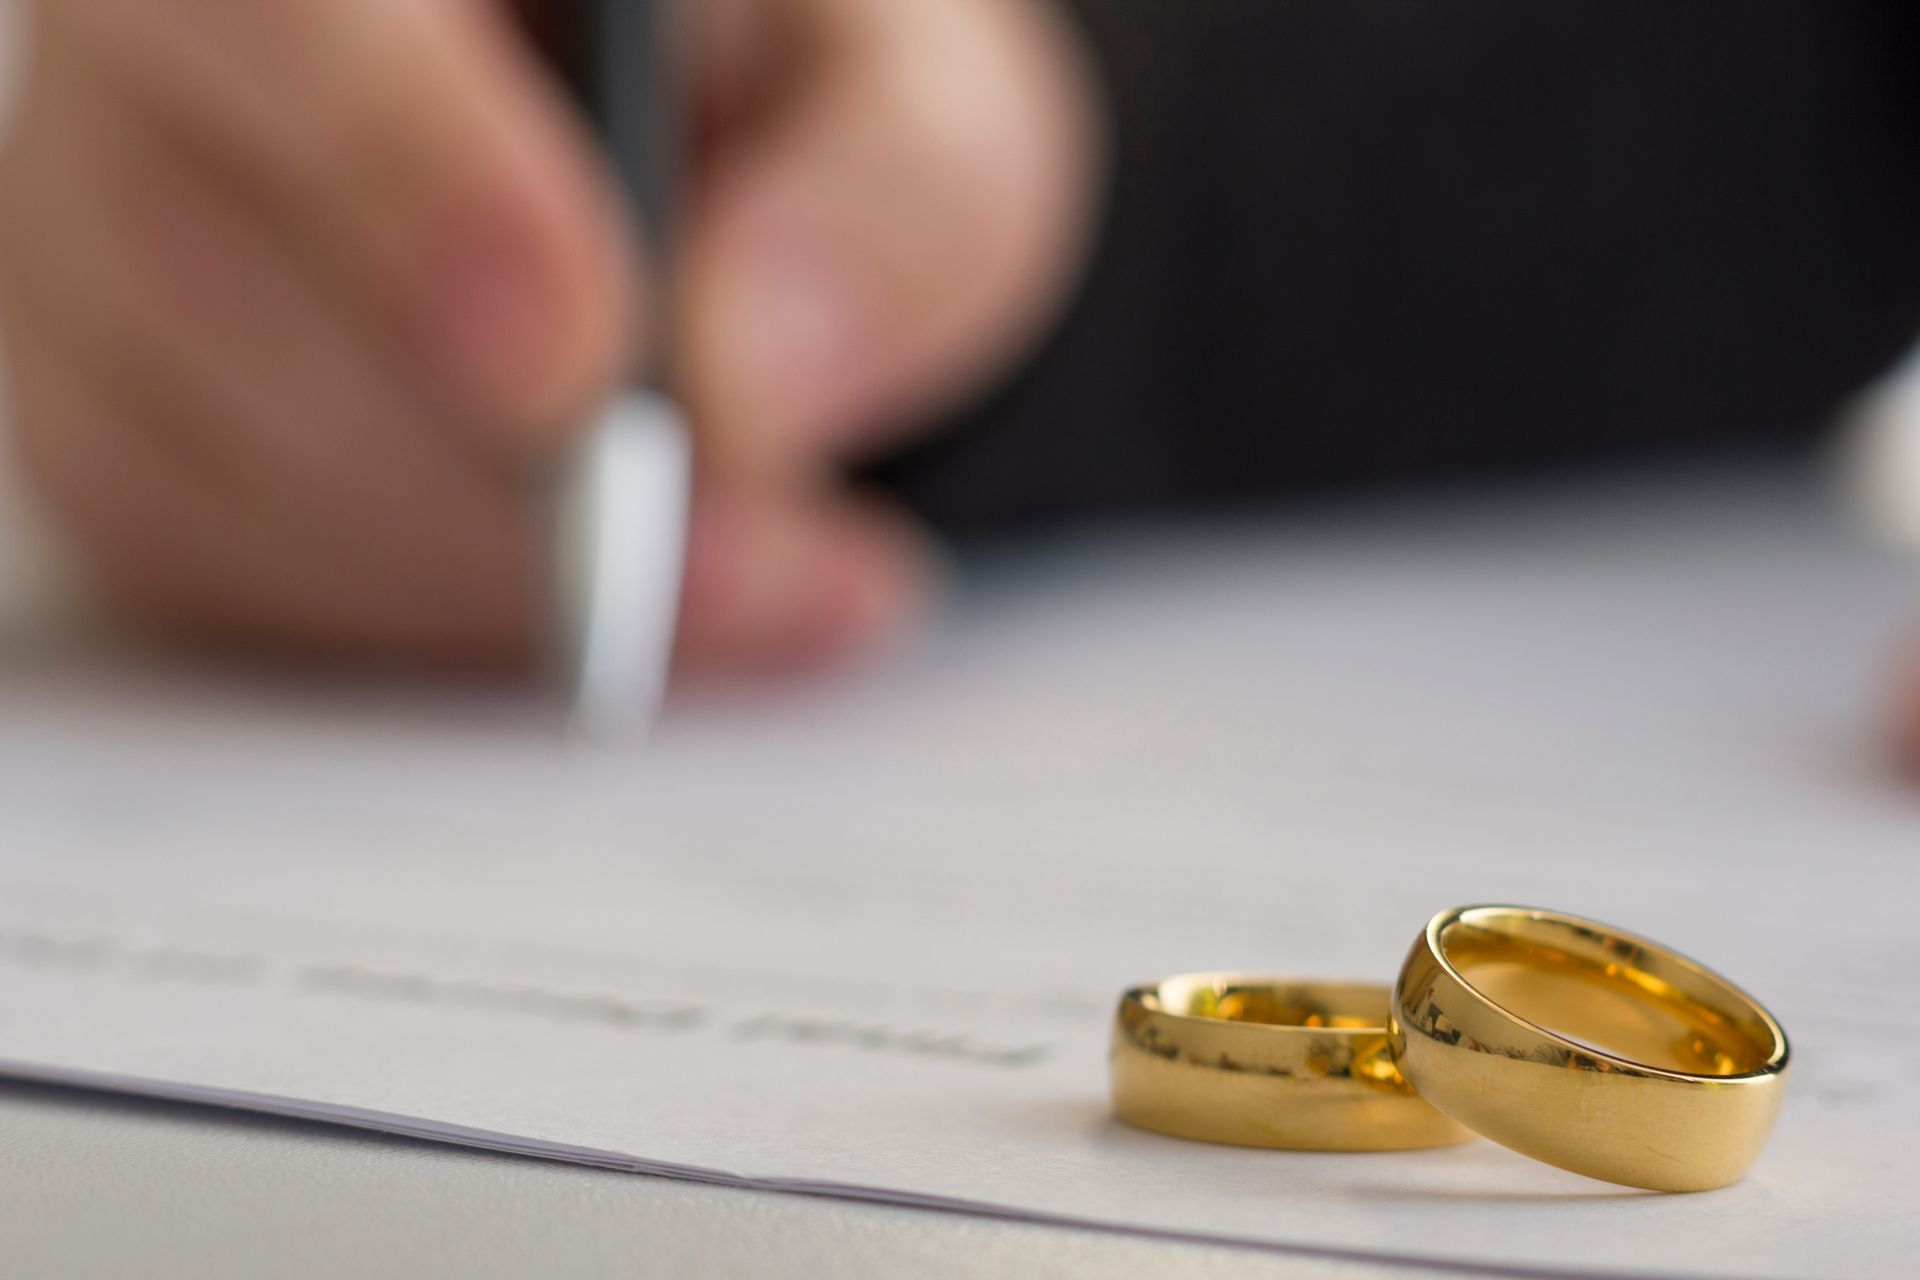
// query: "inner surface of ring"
[[1275, 1004], [1609, 993]]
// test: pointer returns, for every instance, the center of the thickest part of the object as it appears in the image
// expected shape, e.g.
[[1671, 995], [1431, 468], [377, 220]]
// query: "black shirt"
[[1355, 241]]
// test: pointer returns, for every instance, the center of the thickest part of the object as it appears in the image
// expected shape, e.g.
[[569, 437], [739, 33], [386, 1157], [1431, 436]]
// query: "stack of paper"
[[864, 940]]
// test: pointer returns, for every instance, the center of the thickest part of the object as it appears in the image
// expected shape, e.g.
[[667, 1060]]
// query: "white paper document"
[[865, 939]]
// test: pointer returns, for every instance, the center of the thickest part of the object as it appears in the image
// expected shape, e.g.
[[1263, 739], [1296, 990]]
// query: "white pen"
[[622, 507]]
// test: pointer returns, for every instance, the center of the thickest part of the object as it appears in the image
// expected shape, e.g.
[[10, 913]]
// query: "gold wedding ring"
[[1588, 1048], [1267, 1062]]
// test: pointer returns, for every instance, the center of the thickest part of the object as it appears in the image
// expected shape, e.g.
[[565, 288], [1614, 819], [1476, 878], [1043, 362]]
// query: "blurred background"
[[300, 307]]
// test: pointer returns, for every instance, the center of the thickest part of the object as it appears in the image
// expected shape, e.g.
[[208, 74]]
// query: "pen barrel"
[[629, 62]]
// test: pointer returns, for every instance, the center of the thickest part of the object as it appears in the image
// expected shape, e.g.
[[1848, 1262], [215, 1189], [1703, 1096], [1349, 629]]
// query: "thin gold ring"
[[1587, 1047], [1267, 1062]]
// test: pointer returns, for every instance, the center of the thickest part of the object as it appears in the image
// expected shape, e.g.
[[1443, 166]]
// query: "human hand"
[[302, 298]]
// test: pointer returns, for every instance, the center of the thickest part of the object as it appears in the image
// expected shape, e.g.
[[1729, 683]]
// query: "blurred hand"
[[301, 298]]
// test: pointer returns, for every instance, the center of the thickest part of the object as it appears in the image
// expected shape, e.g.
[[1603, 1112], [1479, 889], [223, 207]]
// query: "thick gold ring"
[[1588, 1048], [1267, 1062]]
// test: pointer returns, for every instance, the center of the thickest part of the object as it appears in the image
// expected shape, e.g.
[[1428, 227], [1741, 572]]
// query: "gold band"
[[1682, 1096], [1267, 1062]]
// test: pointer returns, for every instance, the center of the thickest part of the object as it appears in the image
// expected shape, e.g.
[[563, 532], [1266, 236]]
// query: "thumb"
[[889, 230]]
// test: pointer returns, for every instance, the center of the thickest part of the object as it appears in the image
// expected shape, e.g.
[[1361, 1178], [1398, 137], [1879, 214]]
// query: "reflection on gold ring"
[[1267, 1062], [1588, 1048]]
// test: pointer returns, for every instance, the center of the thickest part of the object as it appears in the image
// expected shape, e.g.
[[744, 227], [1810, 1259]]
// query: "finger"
[[899, 226], [164, 546], [429, 164], [133, 512], [110, 500], [178, 555], [176, 287], [780, 581]]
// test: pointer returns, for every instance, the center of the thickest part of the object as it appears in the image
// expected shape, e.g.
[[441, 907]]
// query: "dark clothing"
[[1352, 241]]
